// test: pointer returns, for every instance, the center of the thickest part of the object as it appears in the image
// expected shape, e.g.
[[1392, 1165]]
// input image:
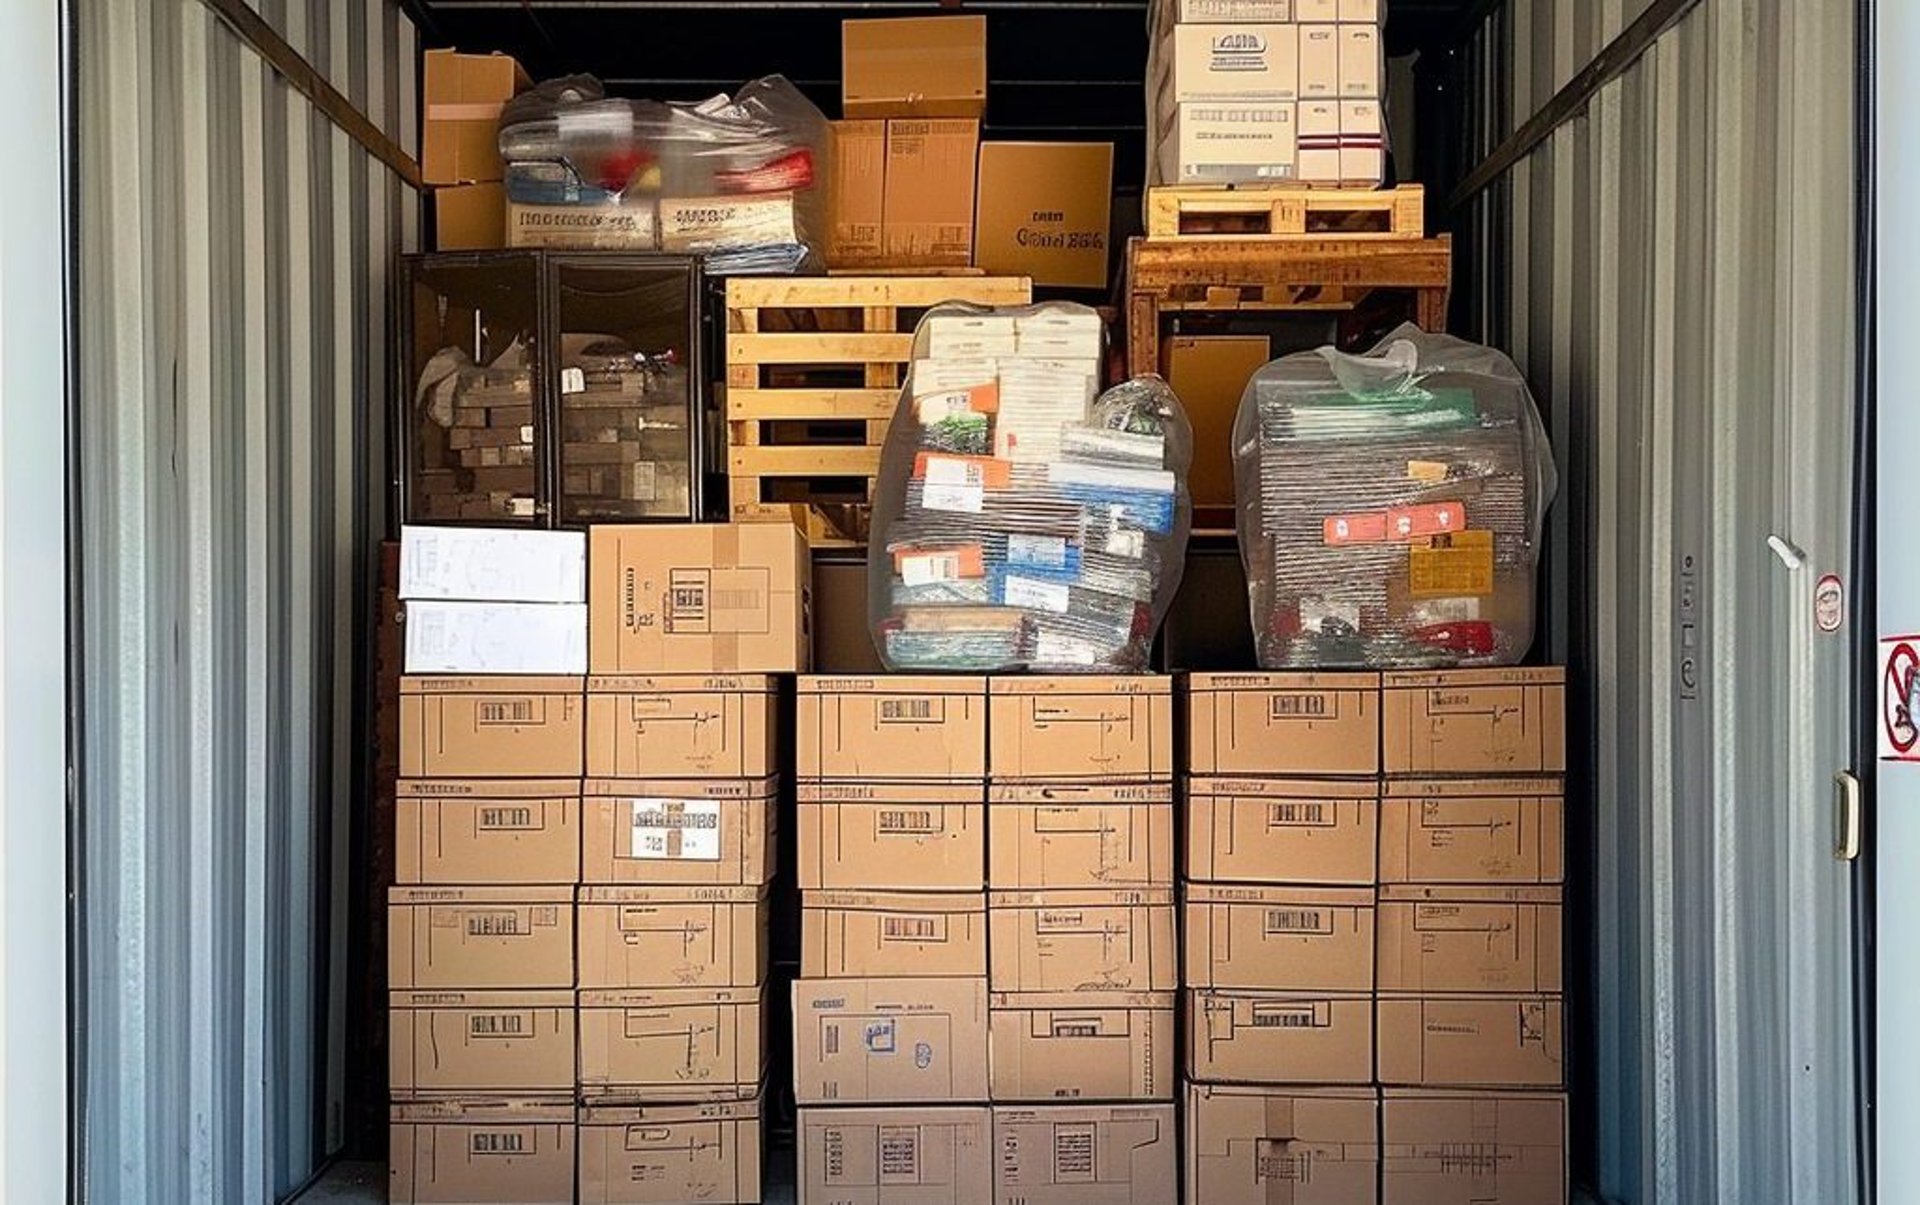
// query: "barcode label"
[[905, 711], [1077, 1028], [908, 928], [1301, 1017], [505, 818], [497, 1025], [506, 711], [947, 470], [681, 830], [736, 599], [1275, 1163], [1297, 814], [899, 1155], [930, 568], [900, 821], [494, 924], [1299, 707], [1297, 920], [497, 1142], [1073, 1155]]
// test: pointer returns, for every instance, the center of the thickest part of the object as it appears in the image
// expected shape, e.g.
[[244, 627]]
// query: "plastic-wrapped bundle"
[[1023, 519], [1391, 505]]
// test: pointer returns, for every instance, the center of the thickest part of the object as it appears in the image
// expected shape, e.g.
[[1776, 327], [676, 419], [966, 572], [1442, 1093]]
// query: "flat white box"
[[1319, 62], [1316, 10], [1363, 142], [1319, 156], [491, 564], [1229, 143], [1233, 62], [1360, 63], [1359, 10], [495, 638]]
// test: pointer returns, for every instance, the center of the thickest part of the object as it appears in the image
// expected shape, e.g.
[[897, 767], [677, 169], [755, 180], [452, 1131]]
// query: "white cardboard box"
[[1360, 63], [491, 564], [495, 638], [1233, 62], [1221, 143]]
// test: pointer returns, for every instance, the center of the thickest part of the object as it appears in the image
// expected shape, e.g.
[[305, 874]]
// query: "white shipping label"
[[1036, 595], [927, 568], [573, 380], [964, 498], [949, 470], [1050, 551], [681, 830]]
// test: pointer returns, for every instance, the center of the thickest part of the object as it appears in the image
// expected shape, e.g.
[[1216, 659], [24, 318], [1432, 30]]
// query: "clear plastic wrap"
[[1390, 506], [1022, 518]]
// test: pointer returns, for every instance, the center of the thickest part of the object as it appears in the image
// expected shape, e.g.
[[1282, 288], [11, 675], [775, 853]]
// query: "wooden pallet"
[[1286, 212]]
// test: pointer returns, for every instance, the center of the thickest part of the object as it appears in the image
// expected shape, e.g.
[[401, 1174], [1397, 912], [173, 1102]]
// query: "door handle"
[[1846, 801]]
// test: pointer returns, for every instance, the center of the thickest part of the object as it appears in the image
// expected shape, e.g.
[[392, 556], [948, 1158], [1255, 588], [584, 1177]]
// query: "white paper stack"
[[493, 600]]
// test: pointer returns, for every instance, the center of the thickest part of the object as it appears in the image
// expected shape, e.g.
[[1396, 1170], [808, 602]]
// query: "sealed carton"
[[1319, 125], [665, 1154], [716, 832], [518, 937], [682, 726], [1241, 62], [1085, 1155], [898, 1041], [1099, 728], [495, 638], [1067, 835], [698, 598], [928, 205], [492, 727], [1282, 830], [893, 934], [1254, 1037], [1316, 10], [1517, 1142], [1082, 941], [499, 1043], [1209, 373], [1473, 830], [461, 97], [1079, 1045], [1318, 939], [493, 564], [484, 1151], [1268, 12], [914, 67], [470, 217], [672, 1044], [487, 830], [1304, 1146], [1360, 10], [1227, 142], [1321, 725], [857, 193], [1476, 721], [1319, 62], [1363, 143], [896, 727], [919, 1156], [1472, 1041], [1045, 212], [1469, 939], [892, 836], [672, 936], [1362, 65]]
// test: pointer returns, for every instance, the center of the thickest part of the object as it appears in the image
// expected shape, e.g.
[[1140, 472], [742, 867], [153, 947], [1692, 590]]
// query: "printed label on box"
[[1039, 595], [1451, 566], [685, 830], [966, 499]]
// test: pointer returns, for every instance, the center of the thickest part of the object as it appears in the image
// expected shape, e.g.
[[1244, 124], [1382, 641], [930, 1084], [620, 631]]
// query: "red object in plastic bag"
[[789, 173]]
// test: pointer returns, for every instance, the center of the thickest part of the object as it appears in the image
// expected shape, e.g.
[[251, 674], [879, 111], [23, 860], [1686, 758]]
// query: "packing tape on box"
[[486, 110], [726, 551]]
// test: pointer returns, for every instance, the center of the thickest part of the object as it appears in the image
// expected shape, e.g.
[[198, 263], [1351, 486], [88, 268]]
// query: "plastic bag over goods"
[[1390, 505], [1023, 519]]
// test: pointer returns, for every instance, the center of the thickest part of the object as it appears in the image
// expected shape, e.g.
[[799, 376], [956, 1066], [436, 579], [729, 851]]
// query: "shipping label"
[[1455, 565], [681, 830]]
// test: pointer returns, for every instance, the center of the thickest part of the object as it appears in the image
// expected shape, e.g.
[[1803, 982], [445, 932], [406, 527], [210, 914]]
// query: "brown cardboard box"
[[914, 67], [1473, 830], [452, 1043], [931, 165], [717, 832], [461, 98], [1045, 211], [1474, 721], [1090, 728], [1085, 1155], [1209, 373], [493, 830], [896, 726], [1470, 939], [667, 1154], [1310, 939], [921, 1156], [672, 1044], [497, 727], [698, 598], [892, 836], [1082, 941], [1517, 1143], [1282, 830], [672, 936], [893, 934], [484, 1152], [893, 1041], [1082, 1045], [1472, 1041], [517, 937], [1301, 1146], [469, 217], [1258, 1037], [682, 726], [1325, 725], [857, 193], [1066, 835]]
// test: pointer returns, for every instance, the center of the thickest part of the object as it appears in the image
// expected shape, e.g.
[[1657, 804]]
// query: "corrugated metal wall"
[[233, 344], [1674, 272]]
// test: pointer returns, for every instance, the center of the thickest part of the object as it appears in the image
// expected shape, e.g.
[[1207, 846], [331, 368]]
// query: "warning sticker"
[[1451, 566], [1394, 526], [1899, 672], [681, 830]]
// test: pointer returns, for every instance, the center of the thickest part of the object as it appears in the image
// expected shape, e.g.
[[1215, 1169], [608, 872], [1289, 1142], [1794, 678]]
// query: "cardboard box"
[[461, 98], [1319, 126], [490, 830], [1320, 725], [1082, 941], [1257, 1037], [893, 934], [1222, 143], [1360, 10], [1312, 939], [892, 1041], [483, 1152], [892, 836], [716, 832], [672, 936], [683, 726], [896, 726], [1209, 373], [1363, 143], [667, 1154], [931, 165], [498, 727], [470, 217], [1085, 1155], [922, 1156], [698, 598], [1303, 1146], [493, 564], [1473, 830], [1282, 830], [1316, 10], [1472, 1041], [857, 192], [914, 67], [479, 937], [495, 638], [1047, 835], [1095, 728], [1046, 212], [1474, 721], [672, 1044], [1362, 62], [1073, 1046], [453, 1043], [1270, 12], [1517, 1142], [1320, 62], [1241, 62], [1470, 939], [632, 225]]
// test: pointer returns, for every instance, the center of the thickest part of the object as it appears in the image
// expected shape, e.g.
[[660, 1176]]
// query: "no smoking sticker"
[[1899, 675]]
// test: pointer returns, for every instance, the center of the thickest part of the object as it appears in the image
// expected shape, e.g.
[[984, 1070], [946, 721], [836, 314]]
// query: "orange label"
[[1396, 526]]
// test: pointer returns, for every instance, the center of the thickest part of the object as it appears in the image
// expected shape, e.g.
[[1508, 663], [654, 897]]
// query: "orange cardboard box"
[[683, 726], [672, 1044], [857, 194], [1470, 939], [672, 936], [469, 217], [895, 1041], [1080, 728], [467, 1044], [702, 598], [1069, 835], [893, 1156], [1473, 830], [1085, 1155], [1484, 722], [1282, 830], [1209, 373], [1518, 1141], [1256, 1037], [1321, 725], [1082, 941], [893, 934], [461, 99], [717, 832], [1045, 211], [930, 187], [1240, 1136], [1082, 1045], [494, 830], [1312, 939], [897, 726], [667, 1154], [1472, 1041], [503, 726], [517, 937], [914, 67], [487, 1152], [857, 836]]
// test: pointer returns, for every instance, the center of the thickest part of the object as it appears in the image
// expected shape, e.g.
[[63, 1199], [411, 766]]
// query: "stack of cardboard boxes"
[[461, 99]]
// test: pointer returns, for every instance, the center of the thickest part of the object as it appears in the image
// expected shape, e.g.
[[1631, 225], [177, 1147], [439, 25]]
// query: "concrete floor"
[[366, 1183]]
